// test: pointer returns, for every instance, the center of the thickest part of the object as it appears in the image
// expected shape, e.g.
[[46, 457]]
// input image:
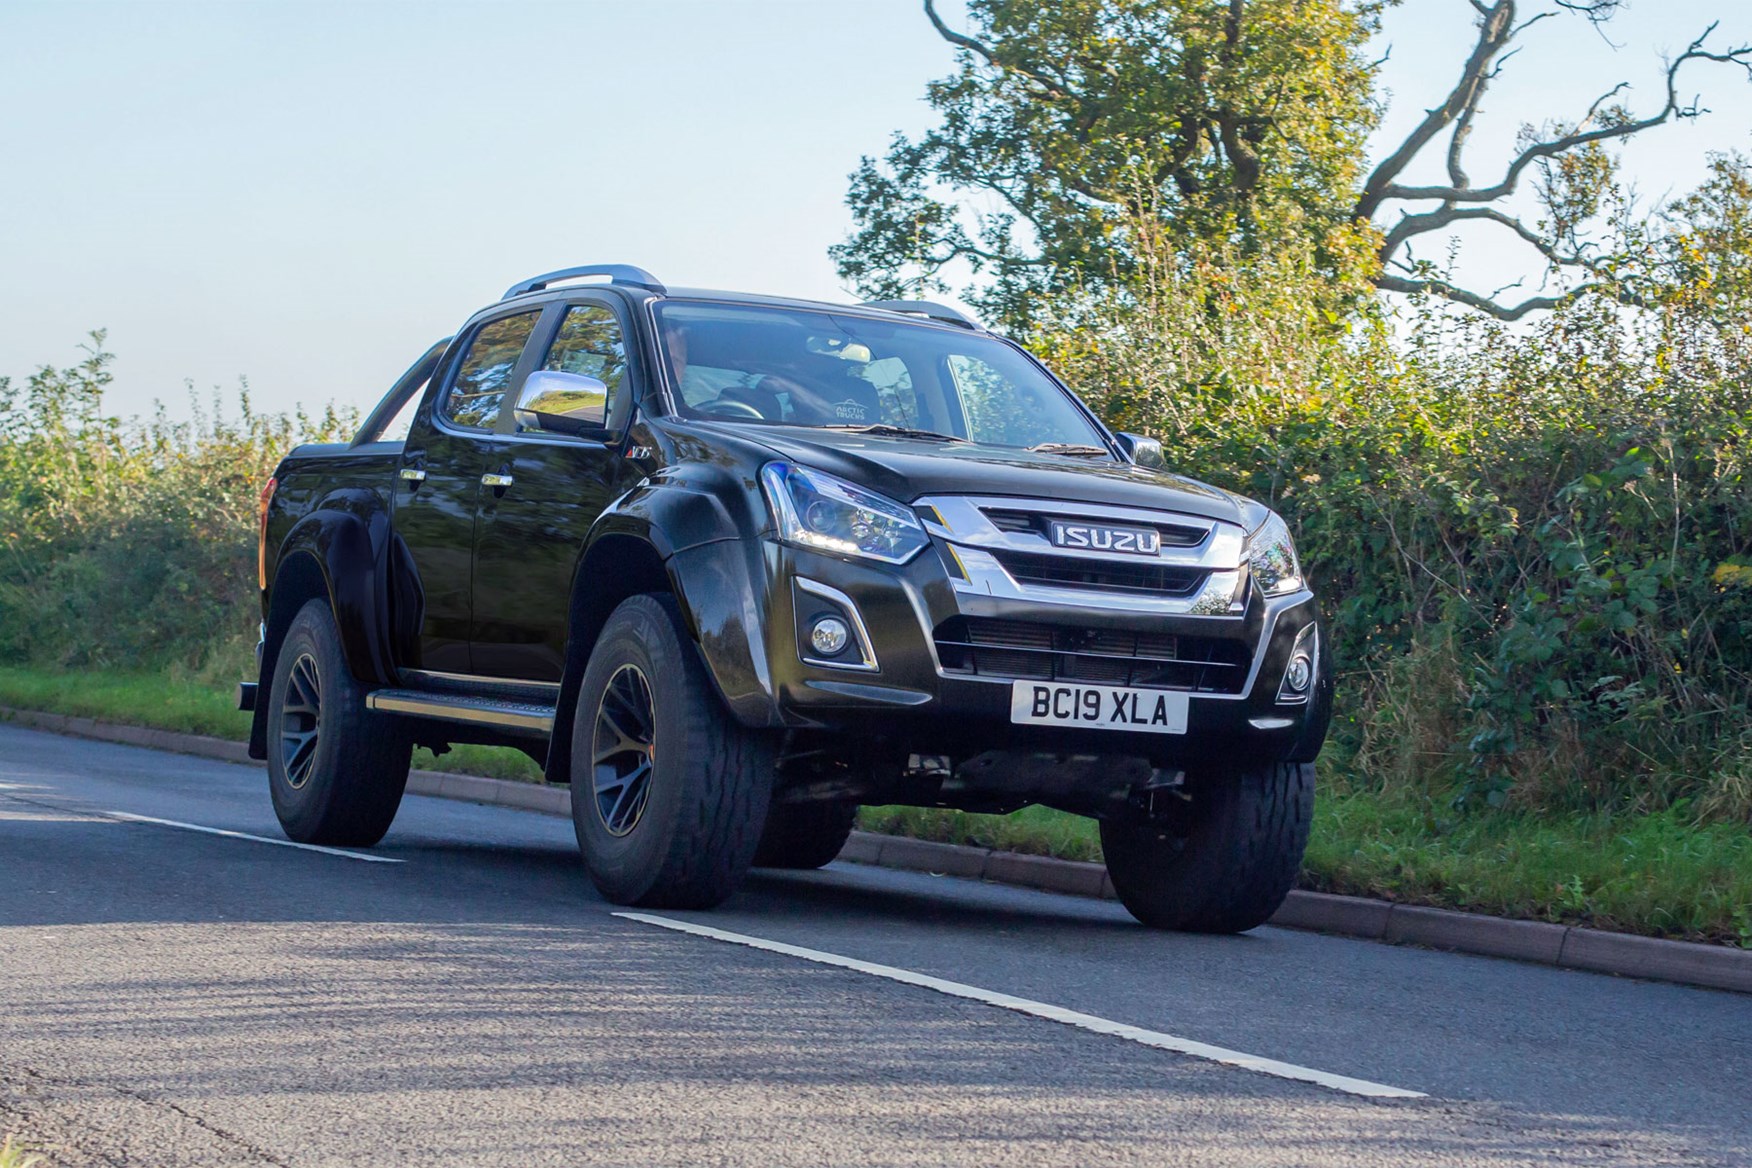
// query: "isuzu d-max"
[[732, 565]]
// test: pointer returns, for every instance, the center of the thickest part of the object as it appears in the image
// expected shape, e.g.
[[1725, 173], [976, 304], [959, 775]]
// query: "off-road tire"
[[1227, 863], [710, 779], [345, 787], [804, 835]]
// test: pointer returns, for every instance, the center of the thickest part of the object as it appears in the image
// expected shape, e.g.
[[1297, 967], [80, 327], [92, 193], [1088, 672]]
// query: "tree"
[[1093, 130], [1705, 275], [1078, 136], [1570, 160]]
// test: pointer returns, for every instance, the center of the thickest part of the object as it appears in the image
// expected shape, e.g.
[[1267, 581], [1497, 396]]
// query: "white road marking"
[[955, 989], [260, 839]]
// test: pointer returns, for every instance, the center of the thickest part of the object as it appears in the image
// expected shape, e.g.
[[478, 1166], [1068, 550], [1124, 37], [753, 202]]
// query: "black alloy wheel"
[[674, 827], [300, 721], [336, 770], [625, 752]]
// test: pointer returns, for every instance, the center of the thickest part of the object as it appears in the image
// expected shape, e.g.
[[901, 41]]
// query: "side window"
[[479, 389], [590, 351]]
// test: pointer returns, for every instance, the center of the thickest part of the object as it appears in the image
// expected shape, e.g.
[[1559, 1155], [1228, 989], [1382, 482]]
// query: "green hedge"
[[1534, 543]]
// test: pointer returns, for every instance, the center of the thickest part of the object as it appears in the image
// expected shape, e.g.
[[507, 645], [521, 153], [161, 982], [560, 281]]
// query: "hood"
[[907, 469]]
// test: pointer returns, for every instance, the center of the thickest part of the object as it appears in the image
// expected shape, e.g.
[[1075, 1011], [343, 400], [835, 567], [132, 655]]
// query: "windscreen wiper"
[[1073, 449], [885, 430]]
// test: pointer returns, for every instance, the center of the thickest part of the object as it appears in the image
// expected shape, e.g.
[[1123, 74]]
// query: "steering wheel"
[[731, 409]]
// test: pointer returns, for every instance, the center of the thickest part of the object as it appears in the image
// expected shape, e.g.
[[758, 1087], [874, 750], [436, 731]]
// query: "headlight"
[[816, 510], [1272, 555]]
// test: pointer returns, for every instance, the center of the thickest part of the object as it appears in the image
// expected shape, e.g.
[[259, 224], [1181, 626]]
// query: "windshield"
[[802, 367]]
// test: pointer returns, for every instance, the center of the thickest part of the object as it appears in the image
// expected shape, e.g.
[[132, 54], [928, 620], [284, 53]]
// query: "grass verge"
[[193, 707], [16, 1155], [1658, 874]]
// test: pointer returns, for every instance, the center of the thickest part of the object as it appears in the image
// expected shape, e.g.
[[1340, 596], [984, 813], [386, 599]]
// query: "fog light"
[[1299, 674], [830, 636], [1298, 683]]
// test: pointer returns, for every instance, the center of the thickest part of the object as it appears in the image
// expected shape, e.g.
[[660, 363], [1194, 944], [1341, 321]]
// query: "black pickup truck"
[[732, 565]]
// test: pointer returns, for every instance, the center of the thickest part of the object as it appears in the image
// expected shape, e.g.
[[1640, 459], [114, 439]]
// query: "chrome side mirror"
[[562, 403], [1141, 450]]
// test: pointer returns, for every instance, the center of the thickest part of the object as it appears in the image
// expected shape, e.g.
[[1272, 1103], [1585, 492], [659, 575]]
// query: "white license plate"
[[1098, 707]]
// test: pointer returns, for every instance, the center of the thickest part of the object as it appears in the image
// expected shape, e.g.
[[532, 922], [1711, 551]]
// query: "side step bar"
[[507, 715]]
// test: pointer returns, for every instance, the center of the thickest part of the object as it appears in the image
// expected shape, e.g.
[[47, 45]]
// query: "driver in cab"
[[804, 389]]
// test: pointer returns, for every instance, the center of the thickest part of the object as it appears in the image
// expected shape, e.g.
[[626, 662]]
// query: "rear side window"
[[478, 391], [589, 342]]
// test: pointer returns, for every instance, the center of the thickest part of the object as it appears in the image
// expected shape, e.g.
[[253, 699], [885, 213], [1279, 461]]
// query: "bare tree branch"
[[1410, 225], [1447, 291], [1495, 26], [1530, 22], [959, 40], [1460, 200], [1741, 56], [1597, 11], [1463, 125]]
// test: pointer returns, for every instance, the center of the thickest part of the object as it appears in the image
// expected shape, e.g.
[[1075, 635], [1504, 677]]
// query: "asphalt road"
[[172, 997]]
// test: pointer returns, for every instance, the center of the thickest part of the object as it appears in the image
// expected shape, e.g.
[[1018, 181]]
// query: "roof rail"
[[928, 308], [616, 273]]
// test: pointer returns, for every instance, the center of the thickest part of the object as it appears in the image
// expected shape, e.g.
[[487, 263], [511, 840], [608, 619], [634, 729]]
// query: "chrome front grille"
[[1002, 547], [1014, 521]]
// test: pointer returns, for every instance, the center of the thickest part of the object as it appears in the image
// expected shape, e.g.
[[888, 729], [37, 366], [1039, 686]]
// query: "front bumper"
[[898, 687]]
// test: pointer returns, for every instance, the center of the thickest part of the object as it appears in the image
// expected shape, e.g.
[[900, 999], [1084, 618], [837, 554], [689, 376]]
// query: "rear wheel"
[[336, 771], [669, 792], [1222, 863], [804, 835]]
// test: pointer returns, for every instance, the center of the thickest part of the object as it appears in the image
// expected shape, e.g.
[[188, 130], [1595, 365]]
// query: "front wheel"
[[336, 772], [1223, 862], [669, 792]]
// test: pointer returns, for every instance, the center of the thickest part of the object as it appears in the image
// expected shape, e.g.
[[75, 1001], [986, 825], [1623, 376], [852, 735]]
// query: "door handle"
[[412, 474], [496, 480]]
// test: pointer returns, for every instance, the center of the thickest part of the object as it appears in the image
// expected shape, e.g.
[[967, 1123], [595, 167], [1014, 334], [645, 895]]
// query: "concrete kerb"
[[1564, 946], [167, 740], [497, 792]]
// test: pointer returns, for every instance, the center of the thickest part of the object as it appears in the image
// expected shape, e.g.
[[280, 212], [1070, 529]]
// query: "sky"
[[307, 194]]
